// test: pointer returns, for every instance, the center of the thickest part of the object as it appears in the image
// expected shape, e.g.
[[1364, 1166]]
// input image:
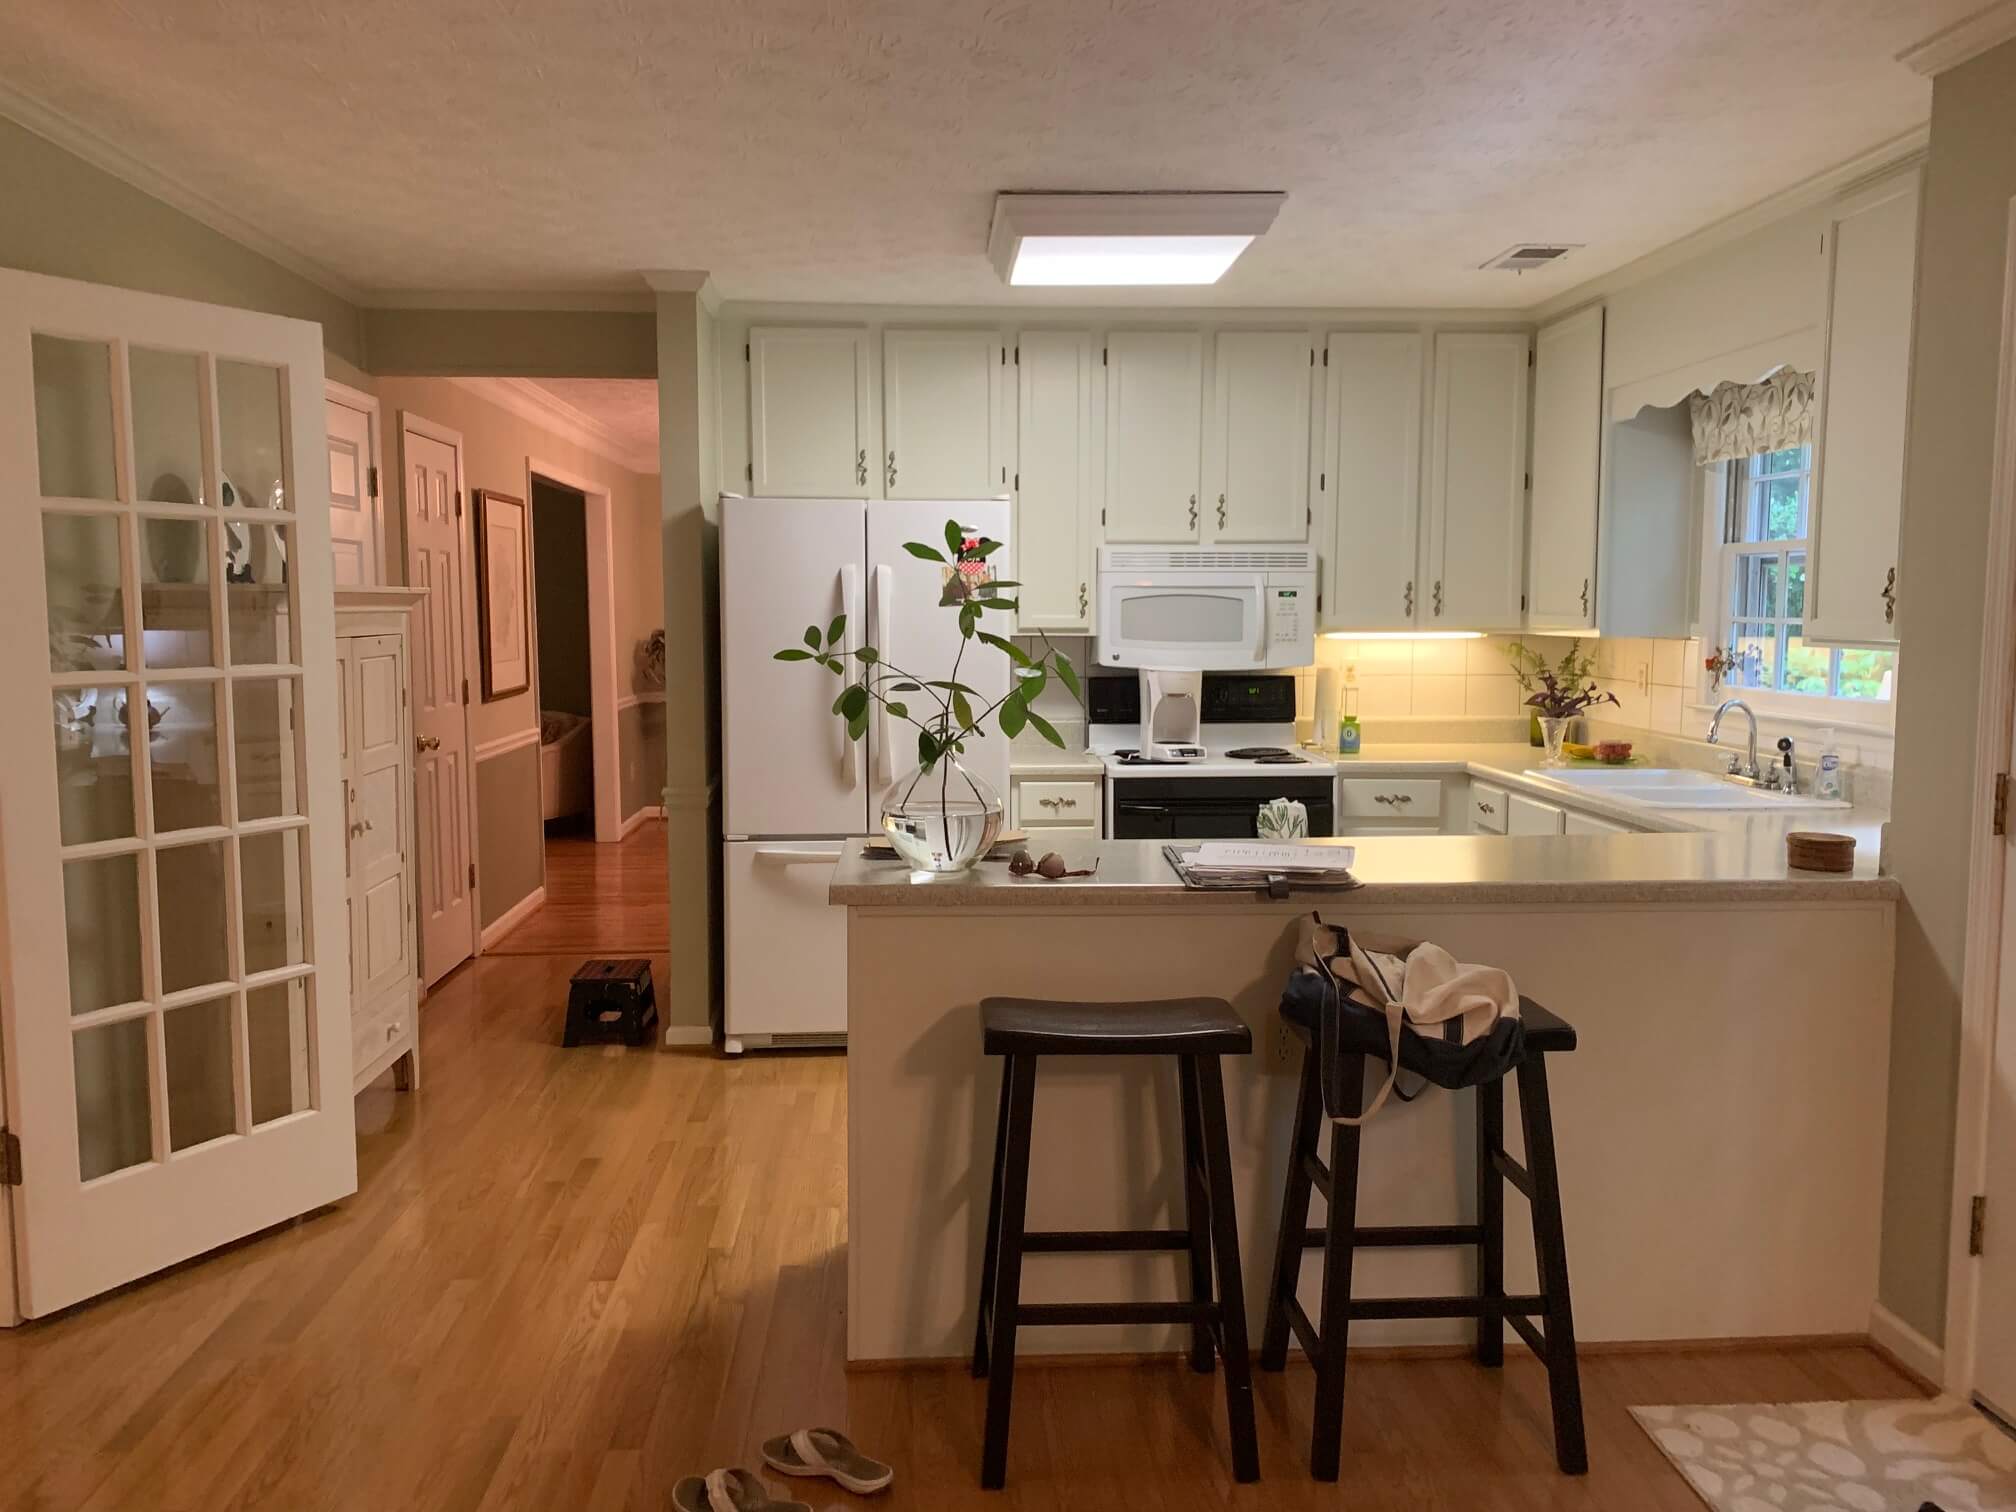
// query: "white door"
[[173, 954], [1865, 378], [1372, 466], [1260, 436], [437, 559], [1475, 563], [789, 766], [375, 794], [941, 414], [784, 946], [1567, 462], [356, 529], [1154, 430], [1529, 816], [1995, 1317], [811, 412], [1056, 488]]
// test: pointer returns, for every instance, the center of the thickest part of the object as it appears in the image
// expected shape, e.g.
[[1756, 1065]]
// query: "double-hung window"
[[1765, 536]]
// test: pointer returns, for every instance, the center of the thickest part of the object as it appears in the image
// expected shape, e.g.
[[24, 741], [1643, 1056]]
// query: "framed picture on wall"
[[503, 586]]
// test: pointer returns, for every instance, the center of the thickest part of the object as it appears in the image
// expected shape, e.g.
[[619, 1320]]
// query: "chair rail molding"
[[1969, 37]]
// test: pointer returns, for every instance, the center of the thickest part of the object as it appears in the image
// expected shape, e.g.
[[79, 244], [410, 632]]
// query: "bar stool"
[[1340, 1237], [1196, 1031]]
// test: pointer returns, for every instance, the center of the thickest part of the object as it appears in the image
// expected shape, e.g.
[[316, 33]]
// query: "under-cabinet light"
[[1396, 635]]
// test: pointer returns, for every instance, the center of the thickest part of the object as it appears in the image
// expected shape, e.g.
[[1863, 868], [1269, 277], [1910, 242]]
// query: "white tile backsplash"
[[1439, 692]]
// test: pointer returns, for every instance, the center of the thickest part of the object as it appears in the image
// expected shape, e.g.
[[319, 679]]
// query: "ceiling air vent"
[[1529, 255]]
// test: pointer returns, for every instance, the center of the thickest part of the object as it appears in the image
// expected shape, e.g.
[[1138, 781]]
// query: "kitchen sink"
[[1680, 788], [1609, 779]]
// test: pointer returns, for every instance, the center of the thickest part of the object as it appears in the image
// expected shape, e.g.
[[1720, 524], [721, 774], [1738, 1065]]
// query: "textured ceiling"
[[624, 410], [850, 149]]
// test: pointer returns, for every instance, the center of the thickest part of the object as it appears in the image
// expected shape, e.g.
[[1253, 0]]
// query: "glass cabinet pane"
[[192, 889], [197, 1039], [249, 426], [183, 755], [101, 919], [73, 417], [263, 736], [115, 1126], [167, 425], [175, 608], [276, 1034], [94, 767], [275, 902], [87, 604], [256, 599]]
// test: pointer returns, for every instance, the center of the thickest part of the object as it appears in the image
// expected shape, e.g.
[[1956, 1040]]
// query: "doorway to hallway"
[[601, 899]]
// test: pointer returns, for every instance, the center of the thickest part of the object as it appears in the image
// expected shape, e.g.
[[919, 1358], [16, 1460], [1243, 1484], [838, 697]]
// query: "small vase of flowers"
[[1575, 668], [1556, 704]]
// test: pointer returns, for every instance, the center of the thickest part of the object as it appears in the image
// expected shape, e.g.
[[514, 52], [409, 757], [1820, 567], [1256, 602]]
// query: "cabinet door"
[[1260, 437], [1477, 483], [811, 413], [1372, 466], [1858, 466], [1154, 426], [1574, 823], [940, 408], [1529, 816], [1567, 462], [376, 744], [1056, 493], [1487, 809]]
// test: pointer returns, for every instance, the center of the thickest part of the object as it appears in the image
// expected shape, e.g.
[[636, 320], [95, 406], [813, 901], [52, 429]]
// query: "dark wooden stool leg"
[[1225, 1249], [1021, 1097], [1550, 1248], [1196, 1209], [1490, 1222], [1334, 1329], [990, 1259], [1288, 1248]]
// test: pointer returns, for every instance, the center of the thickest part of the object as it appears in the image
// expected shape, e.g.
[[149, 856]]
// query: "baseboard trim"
[[688, 1036], [512, 917], [648, 812], [1906, 1348]]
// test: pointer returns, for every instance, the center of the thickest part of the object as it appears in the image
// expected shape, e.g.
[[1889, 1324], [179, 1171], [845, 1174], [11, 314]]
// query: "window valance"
[[1743, 419]]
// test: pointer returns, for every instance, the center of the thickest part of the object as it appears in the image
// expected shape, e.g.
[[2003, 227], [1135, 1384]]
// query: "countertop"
[[1045, 760]]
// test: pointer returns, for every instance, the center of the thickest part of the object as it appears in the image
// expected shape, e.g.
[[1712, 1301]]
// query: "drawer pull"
[[1486, 808], [1392, 799], [1058, 803]]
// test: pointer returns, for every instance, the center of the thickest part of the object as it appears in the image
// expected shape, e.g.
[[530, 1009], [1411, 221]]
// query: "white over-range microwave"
[[1215, 608]]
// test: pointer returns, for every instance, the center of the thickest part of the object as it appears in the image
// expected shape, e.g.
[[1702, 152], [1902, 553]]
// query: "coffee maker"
[[1172, 711]]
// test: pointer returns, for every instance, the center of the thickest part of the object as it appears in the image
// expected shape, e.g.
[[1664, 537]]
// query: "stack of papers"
[[1246, 862]]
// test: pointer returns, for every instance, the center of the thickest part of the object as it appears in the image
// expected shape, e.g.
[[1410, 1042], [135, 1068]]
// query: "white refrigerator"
[[794, 785]]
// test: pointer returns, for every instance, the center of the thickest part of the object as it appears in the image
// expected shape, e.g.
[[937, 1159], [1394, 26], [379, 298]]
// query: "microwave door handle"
[[850, 593], [884, 591], [1260, 617]]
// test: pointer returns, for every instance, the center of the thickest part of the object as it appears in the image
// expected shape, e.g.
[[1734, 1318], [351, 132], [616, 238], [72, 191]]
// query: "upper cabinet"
[[944, 432], [1056, 490], [1567, 464], [1858, 476], [812, 426], [1372, 469], [1154, 430], [1259, 440], [1473, 558]]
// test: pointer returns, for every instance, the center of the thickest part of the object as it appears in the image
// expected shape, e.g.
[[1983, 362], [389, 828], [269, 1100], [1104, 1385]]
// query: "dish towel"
[[1282, 819]]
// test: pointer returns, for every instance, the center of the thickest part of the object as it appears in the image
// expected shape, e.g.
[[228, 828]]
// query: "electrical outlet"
[[1282, 1046], [1643, 677]]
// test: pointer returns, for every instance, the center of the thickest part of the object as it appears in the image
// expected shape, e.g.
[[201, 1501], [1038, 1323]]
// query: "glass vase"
[[943, 819], [1552, 733]]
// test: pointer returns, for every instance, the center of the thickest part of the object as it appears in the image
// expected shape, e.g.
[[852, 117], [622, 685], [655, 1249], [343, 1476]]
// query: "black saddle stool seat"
[[1324, 1339], [1196, 1032]]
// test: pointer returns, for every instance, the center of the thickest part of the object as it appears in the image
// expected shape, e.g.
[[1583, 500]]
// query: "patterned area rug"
[[1839, 1456]]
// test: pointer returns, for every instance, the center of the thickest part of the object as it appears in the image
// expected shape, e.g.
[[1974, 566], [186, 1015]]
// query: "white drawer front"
[[1409, 798], [1488, 808], [375, 1026], [1049, 803]]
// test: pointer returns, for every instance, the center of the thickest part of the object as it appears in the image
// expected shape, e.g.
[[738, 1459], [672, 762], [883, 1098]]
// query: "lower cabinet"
[[1588, 824], [1488, 809], [1530, 816], [1051, 810], [1389, 805]]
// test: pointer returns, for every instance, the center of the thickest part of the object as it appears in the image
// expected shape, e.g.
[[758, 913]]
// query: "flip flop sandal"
[[828, 1452], [728, 1491]]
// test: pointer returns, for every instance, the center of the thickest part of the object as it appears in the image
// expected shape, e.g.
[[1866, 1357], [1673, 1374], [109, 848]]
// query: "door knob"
[[427, 742]]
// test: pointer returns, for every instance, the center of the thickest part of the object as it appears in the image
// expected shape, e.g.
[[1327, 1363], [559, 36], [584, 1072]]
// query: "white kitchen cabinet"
[[1858, 465], [1473, 564], [1259, 440], [943, 426], [812, 426], [1372, 469], [1575, 822], [1154, 433], [1057, 486], [1567, 464], [1051, 810], [1489, 808], [1530, 816]]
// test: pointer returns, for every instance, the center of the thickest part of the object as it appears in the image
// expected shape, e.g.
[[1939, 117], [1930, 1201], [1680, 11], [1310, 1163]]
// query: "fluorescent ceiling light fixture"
[[1138, 240]]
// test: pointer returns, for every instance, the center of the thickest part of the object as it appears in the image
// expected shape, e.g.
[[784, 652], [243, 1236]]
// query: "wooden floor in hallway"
[[601, 899], [572, 1276]]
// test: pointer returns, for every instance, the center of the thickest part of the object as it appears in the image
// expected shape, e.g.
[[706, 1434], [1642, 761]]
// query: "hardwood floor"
[[572, 1276], [600, 899]]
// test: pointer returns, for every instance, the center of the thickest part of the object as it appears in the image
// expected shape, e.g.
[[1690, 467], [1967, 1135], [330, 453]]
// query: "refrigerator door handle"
[[850, 594], [796, 857], [885, 590]]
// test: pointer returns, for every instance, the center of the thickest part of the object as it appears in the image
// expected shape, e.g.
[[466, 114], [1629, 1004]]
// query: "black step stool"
[[1538, 1179], [1197, 1031], [611, 1001]]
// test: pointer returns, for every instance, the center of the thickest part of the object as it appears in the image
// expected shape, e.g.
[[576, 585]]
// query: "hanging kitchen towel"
[[1406, 1002], [1282, 819]]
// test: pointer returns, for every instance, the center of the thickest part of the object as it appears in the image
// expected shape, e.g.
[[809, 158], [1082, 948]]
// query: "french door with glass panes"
[[174, 989]]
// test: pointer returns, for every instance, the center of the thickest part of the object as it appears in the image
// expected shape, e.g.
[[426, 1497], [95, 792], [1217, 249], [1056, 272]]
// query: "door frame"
[[1984, 959], [434, 431], [600, 516], [336, 392]]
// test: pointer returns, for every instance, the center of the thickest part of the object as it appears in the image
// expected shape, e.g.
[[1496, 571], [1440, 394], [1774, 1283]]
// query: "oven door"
[[1217, 625], [1211, 808]]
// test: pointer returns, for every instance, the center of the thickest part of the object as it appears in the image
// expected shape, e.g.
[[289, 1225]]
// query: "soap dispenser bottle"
[[1827, 779]]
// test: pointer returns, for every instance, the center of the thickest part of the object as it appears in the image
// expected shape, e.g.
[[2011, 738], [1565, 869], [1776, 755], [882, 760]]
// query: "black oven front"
[[1212, 808]]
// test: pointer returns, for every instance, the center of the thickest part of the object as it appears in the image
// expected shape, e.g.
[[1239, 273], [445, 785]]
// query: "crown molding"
[[592, 300], [1966, 38], [1893, 156], [529, 401], [82, 142]]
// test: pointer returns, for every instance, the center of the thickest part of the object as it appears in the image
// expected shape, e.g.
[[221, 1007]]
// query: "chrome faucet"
[[1749, 770]]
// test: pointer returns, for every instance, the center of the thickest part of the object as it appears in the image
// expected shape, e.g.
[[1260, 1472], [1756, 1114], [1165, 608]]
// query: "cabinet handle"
[[892, 470], [1890, 597], [1221, 511], [1486, 808], [1410, 598], [861, 467], [1058, 803], [1438, 598], [1193, 511], [1585, 598], [1393, 799], [1084, 601]]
